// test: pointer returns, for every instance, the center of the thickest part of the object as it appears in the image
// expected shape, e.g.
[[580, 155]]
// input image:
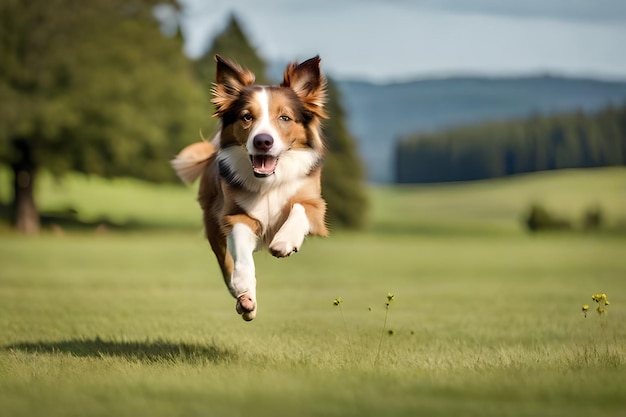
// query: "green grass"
[[497, 206], [128, 202], [486, 319]]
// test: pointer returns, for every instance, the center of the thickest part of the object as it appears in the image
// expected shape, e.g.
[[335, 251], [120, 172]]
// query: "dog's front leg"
[[242, 242], [290, 236]]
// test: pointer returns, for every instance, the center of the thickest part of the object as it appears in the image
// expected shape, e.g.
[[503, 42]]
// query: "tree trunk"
[[24, 211]]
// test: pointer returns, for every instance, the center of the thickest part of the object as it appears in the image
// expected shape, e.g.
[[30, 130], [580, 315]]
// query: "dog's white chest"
[[267, 207]]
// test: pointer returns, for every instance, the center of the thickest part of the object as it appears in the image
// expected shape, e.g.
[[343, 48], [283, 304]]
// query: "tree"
[[343, 176], [92, 87], [233, 43], [494, 149]]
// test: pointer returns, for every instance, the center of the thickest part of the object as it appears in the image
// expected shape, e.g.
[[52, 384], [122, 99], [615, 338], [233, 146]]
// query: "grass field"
[[486, 319]]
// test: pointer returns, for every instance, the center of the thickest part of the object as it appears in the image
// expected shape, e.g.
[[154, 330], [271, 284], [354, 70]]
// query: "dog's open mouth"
[[263, 165]]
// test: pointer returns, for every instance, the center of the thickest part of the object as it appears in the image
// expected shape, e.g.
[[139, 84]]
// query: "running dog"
[[260, 175]]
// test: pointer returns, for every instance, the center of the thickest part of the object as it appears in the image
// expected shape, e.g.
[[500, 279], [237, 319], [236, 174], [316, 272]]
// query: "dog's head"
[[270, 131]]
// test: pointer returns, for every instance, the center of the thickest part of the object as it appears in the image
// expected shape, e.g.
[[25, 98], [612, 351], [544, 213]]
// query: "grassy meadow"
[[486, 318]]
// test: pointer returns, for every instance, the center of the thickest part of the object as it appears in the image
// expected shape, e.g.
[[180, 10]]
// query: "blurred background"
[[500, 114]]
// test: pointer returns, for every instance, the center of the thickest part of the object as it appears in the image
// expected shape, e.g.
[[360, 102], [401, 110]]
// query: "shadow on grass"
[[147, 352]]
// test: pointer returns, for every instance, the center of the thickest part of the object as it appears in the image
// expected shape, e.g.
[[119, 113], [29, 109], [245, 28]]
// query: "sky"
[[398, 40]]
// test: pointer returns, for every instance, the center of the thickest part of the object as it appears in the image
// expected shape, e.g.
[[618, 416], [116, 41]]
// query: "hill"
[[379, 115]]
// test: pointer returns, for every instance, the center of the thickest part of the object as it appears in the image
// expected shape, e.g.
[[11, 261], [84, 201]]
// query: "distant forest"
[[495, 149]]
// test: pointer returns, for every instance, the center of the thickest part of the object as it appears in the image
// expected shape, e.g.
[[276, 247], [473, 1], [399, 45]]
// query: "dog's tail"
[[191, 161]]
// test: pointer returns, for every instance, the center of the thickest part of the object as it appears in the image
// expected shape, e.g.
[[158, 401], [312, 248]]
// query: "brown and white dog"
[[260, 175]]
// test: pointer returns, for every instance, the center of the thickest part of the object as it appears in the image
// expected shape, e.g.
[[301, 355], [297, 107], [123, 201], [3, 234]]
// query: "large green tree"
[[93, 87], [343, 176]]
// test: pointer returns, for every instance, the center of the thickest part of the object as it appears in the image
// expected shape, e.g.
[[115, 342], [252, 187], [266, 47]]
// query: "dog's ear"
[[230, 81], [307, 81]]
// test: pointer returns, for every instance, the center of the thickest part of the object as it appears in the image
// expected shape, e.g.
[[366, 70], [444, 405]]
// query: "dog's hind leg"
[[220, 249]]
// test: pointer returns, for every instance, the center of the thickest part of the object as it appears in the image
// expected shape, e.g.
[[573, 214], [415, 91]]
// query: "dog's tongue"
[[264, 165]]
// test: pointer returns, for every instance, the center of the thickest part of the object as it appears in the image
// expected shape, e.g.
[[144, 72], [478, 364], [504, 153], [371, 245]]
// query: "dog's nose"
[[263, 142]]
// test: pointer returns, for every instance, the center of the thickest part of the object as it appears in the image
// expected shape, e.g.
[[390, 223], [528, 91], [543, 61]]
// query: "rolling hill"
[[379, 114]]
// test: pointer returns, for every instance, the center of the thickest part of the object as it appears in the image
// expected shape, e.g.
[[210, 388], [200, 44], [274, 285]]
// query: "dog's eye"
[[284, 118], [246, 117]]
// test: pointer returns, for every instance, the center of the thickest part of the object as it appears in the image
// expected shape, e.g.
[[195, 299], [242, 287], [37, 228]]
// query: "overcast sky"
[[386, 40]]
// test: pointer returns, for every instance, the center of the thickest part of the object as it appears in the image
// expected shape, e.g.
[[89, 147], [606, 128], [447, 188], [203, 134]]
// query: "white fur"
[[265, 125], [188, 167], [267, 208], [292, 164], [266, 197], [292, 233], [190, 163], [241, 244]]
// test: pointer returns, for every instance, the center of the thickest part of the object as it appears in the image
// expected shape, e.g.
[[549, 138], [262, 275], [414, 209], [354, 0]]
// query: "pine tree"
[[488, 150], [233, 43], [343, 176]]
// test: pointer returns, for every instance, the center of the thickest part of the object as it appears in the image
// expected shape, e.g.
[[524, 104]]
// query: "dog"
[[260, 176]]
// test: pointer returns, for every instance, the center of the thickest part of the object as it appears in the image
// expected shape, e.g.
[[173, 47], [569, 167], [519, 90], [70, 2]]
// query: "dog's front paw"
[[283, 249], [291, 235], [246, 306]]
